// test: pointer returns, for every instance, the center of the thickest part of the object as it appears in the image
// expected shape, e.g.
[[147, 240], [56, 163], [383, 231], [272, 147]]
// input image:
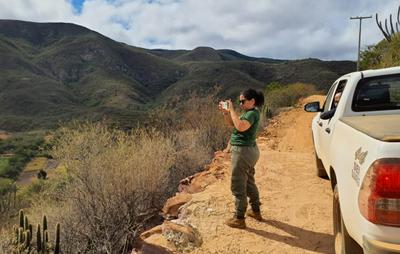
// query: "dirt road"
[[296, 203]]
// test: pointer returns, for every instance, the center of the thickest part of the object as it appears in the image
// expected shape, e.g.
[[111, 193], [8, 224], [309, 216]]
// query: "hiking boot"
[[255, 215], [236, 223]]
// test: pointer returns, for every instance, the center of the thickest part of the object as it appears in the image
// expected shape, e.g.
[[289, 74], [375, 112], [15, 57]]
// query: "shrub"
[[287, 96], [118, 180], [6, 185], [8, 191], [197, 113], [24, 146], [382, 55]]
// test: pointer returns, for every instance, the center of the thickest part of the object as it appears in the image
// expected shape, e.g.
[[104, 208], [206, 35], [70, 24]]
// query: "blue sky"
[[78, 5], [285, 29]]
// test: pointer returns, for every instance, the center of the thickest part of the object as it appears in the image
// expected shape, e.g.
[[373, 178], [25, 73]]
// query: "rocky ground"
[[296, 206]]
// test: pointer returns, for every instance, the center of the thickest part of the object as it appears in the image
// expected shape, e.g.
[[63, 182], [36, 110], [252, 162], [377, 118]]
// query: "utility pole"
[[359, 37]]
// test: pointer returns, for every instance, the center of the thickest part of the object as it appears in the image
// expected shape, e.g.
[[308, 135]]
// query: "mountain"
[[58, 71]]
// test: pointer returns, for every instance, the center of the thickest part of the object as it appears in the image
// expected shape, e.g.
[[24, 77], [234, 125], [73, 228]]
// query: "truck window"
[[329, 97], [377, 93], [338, 93]]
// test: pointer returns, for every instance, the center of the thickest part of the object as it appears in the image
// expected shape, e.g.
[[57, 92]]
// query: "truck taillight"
[[379, 199]]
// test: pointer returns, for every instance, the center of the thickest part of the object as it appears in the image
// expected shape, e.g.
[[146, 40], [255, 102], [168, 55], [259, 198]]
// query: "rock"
[[148, 248], [218, 171], [183, 236], [152, 231], [172, 205], [197, 183]]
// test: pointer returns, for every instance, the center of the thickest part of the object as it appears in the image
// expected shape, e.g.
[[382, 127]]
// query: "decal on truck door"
[[359, 158]]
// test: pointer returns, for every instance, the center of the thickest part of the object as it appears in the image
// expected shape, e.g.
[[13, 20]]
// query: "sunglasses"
[[242, 101]]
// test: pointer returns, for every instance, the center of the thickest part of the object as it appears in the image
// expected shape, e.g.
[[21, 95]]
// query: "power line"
[[359, 37]]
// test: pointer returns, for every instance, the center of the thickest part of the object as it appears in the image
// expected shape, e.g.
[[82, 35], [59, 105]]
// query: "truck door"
[[326, 125]]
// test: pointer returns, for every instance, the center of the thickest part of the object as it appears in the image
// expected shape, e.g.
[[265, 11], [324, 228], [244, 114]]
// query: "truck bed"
[[382, 127]]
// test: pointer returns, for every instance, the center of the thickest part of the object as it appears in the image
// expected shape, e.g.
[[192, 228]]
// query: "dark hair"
[[258, 96]]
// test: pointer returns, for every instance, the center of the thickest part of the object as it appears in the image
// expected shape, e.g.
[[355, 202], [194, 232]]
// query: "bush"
[[382, 55], [117, 181], [6, 185], [196, 113], [8, 190], [24, 146], [4, 164], [287, 96]]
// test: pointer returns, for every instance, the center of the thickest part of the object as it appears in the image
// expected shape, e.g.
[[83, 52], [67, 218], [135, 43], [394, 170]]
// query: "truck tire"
[[320, 168], [344, 244]]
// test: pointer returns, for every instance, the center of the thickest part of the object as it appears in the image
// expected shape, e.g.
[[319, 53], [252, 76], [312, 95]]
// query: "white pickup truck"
[[357, 144]]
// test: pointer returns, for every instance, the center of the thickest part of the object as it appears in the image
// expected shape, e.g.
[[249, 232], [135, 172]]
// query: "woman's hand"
[[222, 108], [230, 105], [226, 111]]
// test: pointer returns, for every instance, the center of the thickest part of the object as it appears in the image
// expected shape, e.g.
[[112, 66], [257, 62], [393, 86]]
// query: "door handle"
[[328, 130], [320, 123]]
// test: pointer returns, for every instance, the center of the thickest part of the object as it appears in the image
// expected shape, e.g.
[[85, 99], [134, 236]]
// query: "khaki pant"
[[243, 185]]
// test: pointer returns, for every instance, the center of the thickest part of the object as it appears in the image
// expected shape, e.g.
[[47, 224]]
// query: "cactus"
[[44, 223], [20, 235], [38, 239], [27, 239], [45, 241], [26, 223], [21, 218], [24, 233], [30, 228], [57, 240], [44, 234], [15, 230]]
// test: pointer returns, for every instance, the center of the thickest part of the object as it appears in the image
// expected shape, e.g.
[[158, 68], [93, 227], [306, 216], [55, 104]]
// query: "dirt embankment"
[[296, 204]]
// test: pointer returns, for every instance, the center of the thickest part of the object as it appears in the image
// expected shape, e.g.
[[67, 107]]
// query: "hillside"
[[51, 72], [295, 202], [382, 55]]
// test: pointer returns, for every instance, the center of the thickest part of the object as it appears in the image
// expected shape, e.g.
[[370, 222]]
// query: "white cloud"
[[286, 29], [33, 10]]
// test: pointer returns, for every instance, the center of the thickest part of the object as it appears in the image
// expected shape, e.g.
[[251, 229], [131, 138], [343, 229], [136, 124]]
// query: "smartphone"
[[225, 105]]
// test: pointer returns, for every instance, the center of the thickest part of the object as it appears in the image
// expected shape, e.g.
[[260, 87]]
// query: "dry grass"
[[117, 179], [36, 164], [195, 113], [6, 236]]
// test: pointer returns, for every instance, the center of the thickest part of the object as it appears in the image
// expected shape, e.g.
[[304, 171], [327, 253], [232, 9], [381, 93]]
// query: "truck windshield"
[[377, 93]]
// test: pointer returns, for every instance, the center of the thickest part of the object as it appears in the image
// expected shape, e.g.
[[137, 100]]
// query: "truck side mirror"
[[312, 107]]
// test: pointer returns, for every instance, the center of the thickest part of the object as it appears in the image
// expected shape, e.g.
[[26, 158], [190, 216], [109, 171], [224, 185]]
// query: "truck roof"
[[372, 73]]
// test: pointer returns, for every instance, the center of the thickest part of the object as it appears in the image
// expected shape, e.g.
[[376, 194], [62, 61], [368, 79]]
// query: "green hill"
[[57, 71]]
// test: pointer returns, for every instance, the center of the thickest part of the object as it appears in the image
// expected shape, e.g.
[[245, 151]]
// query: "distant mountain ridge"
[[58, 71], [208, 54]]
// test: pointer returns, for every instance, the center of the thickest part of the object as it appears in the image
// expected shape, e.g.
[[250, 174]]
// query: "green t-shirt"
[[248, 137]]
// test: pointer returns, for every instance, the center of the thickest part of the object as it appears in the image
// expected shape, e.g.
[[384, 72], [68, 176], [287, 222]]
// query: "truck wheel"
[[344, 244], [320, 168]]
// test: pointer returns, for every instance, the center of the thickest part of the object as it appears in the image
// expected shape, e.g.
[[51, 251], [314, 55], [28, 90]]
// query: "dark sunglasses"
[[242, 101]]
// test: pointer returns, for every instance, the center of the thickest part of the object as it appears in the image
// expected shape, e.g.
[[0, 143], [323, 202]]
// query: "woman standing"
[[245, 155]]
